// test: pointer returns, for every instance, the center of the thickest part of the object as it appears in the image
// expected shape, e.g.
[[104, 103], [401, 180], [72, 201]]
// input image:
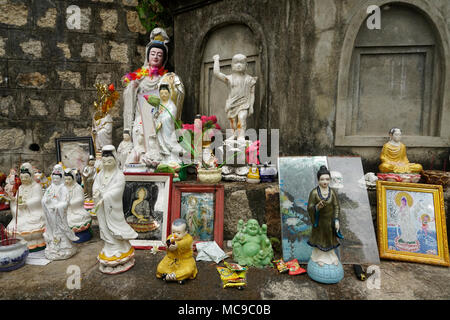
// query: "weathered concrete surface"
[[399, 280]]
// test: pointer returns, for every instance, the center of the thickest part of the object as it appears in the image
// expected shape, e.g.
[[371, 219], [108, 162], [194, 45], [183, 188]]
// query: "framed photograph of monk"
[[146, 205], [411, 223], [202, 208]]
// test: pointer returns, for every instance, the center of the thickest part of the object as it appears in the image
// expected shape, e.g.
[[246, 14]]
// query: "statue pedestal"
[[115, 265], [83, 236], [135, 167], [328, 273], [400, 177]]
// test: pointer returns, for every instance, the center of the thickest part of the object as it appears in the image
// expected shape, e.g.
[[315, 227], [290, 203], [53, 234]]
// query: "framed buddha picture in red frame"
[[202, 207]]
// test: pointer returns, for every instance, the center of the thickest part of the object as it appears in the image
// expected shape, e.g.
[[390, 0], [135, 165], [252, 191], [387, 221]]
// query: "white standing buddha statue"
[[117, 254], [58, 235]]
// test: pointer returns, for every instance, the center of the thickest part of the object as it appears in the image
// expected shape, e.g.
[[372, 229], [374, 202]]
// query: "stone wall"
[[303, 47], [48, 71]]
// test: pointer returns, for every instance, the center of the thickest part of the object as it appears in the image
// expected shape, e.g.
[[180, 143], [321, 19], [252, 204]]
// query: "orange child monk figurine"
[[179, 263]]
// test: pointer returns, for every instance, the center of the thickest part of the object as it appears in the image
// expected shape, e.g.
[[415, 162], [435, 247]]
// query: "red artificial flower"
[[111, 87], [213, 119], [133, 76], [162, 71], [217, 126], [188, 126]]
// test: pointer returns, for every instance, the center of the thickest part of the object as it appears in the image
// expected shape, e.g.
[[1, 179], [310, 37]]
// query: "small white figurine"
[[138, 150], [88, 176], [28, 220], [58, 235], [117, 254], [78, 218], [337, 180], [102, 131], [241, 97], [124, 149]]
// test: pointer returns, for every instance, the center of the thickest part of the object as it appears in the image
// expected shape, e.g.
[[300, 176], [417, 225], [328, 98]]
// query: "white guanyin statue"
[[58, 235], [170, 149], [117, 254], [145, 82], [78, 217], [28, 220]]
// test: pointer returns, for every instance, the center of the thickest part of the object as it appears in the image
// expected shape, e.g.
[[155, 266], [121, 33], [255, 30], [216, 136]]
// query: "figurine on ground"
[[241, 97], [28, 219], [323, 208], [78, 218], [251, 246], [58, 235], [117, 254], [178, 264]]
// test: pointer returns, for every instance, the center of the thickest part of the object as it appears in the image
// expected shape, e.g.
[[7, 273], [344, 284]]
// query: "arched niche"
[[394, 77], [227, 39]]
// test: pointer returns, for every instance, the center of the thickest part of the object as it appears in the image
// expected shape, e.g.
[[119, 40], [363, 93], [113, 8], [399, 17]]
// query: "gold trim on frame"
[[442, 258]]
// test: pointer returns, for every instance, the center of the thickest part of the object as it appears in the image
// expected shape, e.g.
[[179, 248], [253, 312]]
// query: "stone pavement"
[[399, 281]]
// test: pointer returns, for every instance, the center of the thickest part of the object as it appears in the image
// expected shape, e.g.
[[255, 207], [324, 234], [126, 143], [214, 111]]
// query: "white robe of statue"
[[137, 110], [28, 222], [114, 230], [169, 147], [78, 218], [58, 235], [407, 224], [103, 128]]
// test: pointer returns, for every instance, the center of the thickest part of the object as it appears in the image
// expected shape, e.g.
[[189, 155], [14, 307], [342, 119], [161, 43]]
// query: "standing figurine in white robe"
[[58, 235], [124, 149], [117, 254], [241, 97]]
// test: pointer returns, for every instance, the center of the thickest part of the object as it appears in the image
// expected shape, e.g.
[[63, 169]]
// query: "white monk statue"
[[58, 235], [78, 218], [117, 254], [241, 97], [145, 82], [28, 220]]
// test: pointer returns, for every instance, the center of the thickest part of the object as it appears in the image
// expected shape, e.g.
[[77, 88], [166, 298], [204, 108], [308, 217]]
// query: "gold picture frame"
[[411, 223]]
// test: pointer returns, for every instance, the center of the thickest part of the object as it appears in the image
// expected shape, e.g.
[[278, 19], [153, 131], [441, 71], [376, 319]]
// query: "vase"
[[13, 253], [209, 175]]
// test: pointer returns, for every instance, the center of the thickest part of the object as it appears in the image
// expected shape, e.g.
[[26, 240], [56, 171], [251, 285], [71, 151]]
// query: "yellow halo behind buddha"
[[407, 196]]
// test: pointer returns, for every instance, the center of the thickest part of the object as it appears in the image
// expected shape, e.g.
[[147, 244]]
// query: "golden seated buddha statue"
[[393, 156]]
